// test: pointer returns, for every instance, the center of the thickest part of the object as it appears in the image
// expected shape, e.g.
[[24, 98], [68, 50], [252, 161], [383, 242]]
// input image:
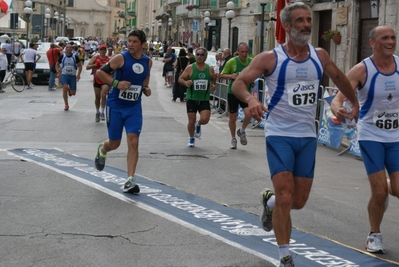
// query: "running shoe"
[[99, 161], [243, 137], [287, 261], [197, 130], [233, 144], [191, 142], [32, 85], [266, 215], [66, 108], [131, 186], [97, 116], [374, 243], [102, 116], [51, 89], [29, 87]]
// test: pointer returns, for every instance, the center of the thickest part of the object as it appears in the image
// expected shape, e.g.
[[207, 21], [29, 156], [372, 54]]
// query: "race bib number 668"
[[302, 93]]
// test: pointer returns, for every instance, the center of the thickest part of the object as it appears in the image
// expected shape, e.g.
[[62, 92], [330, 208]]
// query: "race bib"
[[386, 120], [200, 84], [131, 94], [69, 70], [302, 93]]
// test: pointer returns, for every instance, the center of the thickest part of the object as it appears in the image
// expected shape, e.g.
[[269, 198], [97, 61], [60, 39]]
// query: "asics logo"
[[298, 87], [388, 115]]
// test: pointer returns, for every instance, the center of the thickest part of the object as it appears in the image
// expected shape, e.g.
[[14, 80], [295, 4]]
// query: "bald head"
[[378, 30]]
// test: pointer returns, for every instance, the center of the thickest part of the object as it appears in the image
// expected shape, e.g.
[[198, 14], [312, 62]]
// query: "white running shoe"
[[233, 144], [374, 243]]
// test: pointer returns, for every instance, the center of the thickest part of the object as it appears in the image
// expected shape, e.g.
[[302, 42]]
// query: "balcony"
[[122, 1], [131, 12], [181, 10], [122, 30], [194, 13], [121, 14], [173, 2]]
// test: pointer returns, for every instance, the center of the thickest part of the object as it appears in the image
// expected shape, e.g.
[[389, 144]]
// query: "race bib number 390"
[[386, 120], [302, 93], [131, 94]]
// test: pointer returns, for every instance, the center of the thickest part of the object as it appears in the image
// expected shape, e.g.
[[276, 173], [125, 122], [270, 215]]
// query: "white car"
[[41, 74], [211, 59]]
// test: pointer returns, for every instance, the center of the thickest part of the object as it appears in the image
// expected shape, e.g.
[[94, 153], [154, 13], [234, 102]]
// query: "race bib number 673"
[[302, 93]]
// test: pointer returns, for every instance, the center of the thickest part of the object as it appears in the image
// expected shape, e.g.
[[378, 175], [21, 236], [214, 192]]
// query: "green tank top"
[[199, 91], [239, 67]]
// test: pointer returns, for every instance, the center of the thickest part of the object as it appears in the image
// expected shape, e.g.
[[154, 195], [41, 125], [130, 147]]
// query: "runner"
[[293, 72], [130, 80], [199, 78], [100, 88], [69, 67]]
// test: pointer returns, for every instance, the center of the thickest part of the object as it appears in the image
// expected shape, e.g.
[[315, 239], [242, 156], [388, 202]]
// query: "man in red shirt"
[[53, 54], [100, 88]]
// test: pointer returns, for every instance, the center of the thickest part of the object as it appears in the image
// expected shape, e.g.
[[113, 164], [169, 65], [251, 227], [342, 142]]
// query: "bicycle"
[[16, 80]]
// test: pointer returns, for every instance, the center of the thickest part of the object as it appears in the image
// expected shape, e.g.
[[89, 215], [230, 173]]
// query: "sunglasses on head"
[[200, 54]]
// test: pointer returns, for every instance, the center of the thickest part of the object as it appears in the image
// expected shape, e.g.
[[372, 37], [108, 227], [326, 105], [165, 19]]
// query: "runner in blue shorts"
[[376, 79], [292, 71], [70, 67], [130, 79]]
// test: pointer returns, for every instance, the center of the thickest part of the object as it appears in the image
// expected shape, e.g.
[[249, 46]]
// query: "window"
[[69, 3]]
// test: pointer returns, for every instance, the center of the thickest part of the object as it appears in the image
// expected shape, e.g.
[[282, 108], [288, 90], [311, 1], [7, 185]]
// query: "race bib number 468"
[[302, 93], [131, 94]]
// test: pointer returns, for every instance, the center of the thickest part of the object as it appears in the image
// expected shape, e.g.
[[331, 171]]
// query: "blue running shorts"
[[377, 156], [294, 154], [70, 80], [131, 118]]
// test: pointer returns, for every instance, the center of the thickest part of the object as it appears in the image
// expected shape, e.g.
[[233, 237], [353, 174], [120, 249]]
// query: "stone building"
[[352, 18]]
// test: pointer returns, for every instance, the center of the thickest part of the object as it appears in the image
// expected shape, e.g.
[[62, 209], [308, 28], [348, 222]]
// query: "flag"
[[280, 32], [5, 5]]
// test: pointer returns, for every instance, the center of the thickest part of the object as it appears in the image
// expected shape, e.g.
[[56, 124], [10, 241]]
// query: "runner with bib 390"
[[131, 76], [70, 66]]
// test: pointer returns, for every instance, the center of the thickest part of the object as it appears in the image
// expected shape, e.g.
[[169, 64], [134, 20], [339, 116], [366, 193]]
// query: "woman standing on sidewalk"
[[180, 64]]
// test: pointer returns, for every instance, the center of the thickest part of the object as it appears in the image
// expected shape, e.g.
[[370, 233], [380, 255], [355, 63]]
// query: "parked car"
[[62, 39], [211, 59], [41, 74], [43, 46]]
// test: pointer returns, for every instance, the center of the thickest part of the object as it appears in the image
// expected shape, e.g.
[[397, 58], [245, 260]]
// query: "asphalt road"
[[48, 219]]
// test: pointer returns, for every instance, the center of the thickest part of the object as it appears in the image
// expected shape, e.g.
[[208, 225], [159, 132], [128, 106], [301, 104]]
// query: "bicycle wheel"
[[17, 83]]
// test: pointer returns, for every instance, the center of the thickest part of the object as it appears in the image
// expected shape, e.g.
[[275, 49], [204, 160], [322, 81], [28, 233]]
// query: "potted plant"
[[335, 35]]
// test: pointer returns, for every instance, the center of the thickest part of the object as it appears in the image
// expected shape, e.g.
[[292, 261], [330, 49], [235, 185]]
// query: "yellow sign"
[[174, 30], [342, 16]]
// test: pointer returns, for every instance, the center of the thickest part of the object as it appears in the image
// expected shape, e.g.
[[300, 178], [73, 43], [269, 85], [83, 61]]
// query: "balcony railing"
[[131, 12], [173, 2]]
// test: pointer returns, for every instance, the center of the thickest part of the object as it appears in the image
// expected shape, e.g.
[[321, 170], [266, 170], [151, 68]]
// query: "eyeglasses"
[[200, 55]]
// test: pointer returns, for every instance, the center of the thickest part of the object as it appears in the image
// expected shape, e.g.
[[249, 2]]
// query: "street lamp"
[[170, 28], [262, 24], [68, 22], [230, 14], [159, 29], [153, 25], [61, 23], [47, 16], [56, 23], [207, 14], [28, 11]]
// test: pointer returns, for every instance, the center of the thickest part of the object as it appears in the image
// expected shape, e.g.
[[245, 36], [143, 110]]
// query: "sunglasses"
[[200, 54]]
